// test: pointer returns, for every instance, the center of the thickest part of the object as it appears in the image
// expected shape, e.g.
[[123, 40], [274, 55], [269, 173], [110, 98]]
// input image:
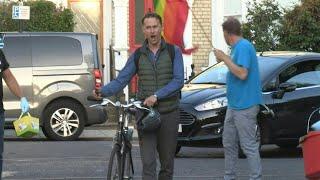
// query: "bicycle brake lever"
[[138, 105]]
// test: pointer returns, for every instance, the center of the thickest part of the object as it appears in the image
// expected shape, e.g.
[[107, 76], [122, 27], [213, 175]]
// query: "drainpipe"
[[107, 36]]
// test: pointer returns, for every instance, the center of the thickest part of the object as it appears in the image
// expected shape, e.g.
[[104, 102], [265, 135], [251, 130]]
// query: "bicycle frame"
[[122, 140]]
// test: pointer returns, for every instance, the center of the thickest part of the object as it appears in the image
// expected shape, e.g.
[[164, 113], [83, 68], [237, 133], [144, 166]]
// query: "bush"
[[301, 27], [44, 16], [262, 26]]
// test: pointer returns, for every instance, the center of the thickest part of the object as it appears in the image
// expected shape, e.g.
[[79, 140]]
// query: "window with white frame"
[[232, 7]]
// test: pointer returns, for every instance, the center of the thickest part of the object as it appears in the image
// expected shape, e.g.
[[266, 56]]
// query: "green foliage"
[[6, 23], [301, 27], [262, 26], [44, 16]]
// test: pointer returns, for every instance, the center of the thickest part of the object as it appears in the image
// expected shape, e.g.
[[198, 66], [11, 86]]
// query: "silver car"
[[57, 71]]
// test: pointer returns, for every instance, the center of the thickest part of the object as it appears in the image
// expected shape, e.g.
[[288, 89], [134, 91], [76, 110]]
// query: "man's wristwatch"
[[155, 96]]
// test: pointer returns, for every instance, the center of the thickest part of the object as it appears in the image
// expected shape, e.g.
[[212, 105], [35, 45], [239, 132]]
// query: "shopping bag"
[[26, 125]]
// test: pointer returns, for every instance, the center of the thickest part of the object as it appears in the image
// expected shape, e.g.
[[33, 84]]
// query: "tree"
[[301, 27], [44, 16], [263, 24]]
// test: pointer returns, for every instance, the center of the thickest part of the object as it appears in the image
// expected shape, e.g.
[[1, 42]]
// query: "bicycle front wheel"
[[114, 166]]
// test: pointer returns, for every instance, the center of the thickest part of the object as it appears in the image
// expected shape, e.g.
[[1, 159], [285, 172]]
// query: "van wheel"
[[63, 120]]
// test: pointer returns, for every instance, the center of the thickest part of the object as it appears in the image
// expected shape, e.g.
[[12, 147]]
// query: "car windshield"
[[213, 75], [217, 73]]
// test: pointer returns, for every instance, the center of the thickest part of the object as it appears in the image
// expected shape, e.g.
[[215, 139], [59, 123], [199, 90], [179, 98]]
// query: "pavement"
[[93, 133]]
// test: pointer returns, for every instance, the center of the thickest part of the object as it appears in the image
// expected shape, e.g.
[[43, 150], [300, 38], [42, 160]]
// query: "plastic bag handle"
[[308, 126], [23, 114]]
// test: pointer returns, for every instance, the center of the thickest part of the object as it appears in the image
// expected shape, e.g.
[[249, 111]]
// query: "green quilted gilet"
[[154, 75]]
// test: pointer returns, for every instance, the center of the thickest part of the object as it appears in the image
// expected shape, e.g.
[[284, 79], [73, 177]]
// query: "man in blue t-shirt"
[[244, 96]]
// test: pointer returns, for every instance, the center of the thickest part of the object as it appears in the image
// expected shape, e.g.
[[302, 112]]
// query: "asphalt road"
[[87, 159]]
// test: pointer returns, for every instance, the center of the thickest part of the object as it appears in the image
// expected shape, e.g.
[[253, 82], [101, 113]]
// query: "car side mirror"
[[287, 87], [283, 88]]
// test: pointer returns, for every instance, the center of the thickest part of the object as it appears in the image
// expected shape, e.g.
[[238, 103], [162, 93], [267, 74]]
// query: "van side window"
[[56, 51], [17, 51]]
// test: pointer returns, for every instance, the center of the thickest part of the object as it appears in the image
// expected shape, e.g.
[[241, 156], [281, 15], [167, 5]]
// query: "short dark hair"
[[232, 26], [151, 15]]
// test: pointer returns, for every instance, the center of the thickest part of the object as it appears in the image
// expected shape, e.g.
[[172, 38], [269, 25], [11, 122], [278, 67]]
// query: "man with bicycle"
[[159, 84]]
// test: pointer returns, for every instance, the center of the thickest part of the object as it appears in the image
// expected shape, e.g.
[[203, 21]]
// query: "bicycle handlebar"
[[106, 101]]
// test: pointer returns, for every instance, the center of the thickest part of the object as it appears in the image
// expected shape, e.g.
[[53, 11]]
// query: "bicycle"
[[120, 164]]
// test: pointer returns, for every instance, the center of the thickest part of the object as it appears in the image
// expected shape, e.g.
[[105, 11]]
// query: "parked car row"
[[291, 92], [56, 71]]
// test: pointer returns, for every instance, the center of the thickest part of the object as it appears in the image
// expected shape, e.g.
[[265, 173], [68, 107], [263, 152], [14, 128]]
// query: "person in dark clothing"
[[14, 87], [159, 85]]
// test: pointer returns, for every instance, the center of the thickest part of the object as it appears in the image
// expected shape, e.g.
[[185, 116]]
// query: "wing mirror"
[[283, 88], [287, 87]]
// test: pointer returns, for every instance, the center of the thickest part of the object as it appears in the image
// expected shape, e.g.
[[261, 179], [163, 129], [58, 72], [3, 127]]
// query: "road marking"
[[8, 173]]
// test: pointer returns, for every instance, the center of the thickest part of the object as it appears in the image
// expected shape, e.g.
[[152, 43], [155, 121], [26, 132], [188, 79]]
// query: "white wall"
[[107, 36]]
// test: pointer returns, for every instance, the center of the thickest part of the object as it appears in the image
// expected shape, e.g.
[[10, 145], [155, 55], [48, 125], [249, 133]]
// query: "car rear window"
[[56, 51]]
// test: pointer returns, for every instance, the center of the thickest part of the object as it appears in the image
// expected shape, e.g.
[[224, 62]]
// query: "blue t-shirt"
[[243, 94]]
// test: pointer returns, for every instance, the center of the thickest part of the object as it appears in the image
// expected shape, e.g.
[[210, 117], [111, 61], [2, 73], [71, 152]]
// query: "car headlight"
[[213, 104]]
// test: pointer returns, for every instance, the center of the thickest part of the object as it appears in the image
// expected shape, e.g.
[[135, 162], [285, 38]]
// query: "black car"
[[291, 92]]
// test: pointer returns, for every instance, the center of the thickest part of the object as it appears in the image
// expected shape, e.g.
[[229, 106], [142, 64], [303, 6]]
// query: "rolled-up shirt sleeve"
[[174, 86]]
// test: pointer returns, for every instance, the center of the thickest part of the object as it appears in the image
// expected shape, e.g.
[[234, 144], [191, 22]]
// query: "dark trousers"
[[1, 141], [163, 141]]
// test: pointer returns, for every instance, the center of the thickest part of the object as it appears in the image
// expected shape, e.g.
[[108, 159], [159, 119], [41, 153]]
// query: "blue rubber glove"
[[24, 105]]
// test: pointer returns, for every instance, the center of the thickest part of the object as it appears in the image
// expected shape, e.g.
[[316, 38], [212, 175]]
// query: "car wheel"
[[63, 120], [178, 148], [287, 145]]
